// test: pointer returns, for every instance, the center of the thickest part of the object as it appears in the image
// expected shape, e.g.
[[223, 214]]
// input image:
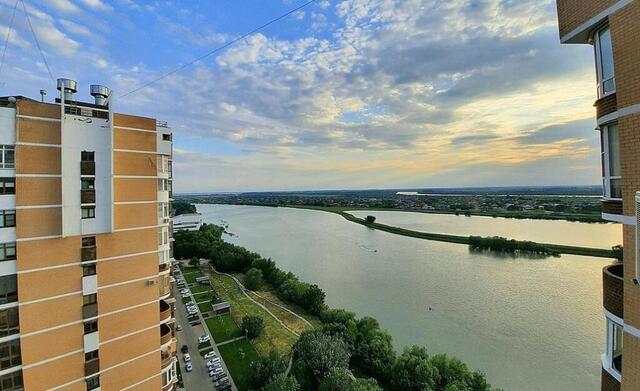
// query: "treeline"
[[500, 244], [322, 358], [182, 207]]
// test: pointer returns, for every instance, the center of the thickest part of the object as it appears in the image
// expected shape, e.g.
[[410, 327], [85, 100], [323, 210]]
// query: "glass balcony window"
[[604, 62], [611, 170]]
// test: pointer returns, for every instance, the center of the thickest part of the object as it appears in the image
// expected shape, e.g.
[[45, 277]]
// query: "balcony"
[[608, 382], [166, 358], [88, 196], [165, 311], [613, 289], [91, 367], [87, 168], [88, 253], [165, 334], [606, 105], [613, 207], [89, 311]]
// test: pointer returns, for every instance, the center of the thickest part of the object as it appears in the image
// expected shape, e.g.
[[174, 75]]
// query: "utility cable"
[[226, 45], [35, 37], [6, 42]]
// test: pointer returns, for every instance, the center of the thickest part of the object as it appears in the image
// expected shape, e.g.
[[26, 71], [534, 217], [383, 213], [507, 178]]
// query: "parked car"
[[211, 354], [188, 367], [187, 357], [216, 372], [179, 328], [204, 338], [225, 387], [222, 382], [213, 362], [184, 349], [218, 376]]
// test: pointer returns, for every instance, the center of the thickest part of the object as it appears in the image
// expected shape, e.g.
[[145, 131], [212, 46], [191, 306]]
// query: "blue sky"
[[343, 94]]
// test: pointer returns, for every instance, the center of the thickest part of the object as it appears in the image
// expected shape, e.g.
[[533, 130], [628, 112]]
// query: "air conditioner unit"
[[152, 281], [637, 279]]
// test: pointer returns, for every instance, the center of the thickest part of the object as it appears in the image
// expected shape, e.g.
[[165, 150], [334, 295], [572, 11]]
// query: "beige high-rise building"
[[85, 246], [612, 27]]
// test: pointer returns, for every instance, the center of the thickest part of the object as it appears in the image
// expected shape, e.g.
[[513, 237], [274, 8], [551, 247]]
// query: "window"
[[89, 270], [10, 354], [93, 355], [166, 137], [163, 162], [614, 346], [8, 289], [612, 181], [88, 184], [91, 327], [163, 235], [7, 218], [89, 241], [93, 382], [7, 251], [163, 210], [7, 185], [163, 185], [87, 156], [7, 156], [90, 299], [88, 212], [9, 323], [11, 381], [604, 62]]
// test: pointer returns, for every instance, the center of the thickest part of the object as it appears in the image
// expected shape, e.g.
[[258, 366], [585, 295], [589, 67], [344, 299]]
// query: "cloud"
[[64, 6], [97, 5], [76, 28]]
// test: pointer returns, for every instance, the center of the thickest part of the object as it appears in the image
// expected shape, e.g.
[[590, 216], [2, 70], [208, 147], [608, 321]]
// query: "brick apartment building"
[[613, 28], [85, 246]]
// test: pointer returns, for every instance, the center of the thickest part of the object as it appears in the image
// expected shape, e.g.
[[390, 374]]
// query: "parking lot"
[[198, 378]]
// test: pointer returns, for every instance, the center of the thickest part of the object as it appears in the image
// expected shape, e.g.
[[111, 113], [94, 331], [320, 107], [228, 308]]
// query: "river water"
[[529, 324]]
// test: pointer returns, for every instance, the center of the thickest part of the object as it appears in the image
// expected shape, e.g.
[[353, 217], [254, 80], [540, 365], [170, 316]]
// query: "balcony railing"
[[91, 367], [606, 105], [608, 382], [88, 196], [165, 310], [88, 253], [87, 168], [165, 334], [613, 207], [613, 289]]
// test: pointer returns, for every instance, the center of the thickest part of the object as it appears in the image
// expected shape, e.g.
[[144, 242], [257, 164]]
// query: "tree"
[[252, 279], [313, 299], [341, 379], [194, 261], [268, 367], [315, 354], [183, 207], [413, 371], [370, 219], [281, 382], [252, 325], [373, 350]]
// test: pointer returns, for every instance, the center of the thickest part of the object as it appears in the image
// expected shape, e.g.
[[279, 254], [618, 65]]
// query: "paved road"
[[198, 379]]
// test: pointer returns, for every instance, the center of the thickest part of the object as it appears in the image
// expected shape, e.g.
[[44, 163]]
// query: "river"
[[529, 324]]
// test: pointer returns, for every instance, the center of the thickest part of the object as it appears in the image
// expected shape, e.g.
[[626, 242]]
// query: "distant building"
[[221, 308], [187, 222], [613, 28]]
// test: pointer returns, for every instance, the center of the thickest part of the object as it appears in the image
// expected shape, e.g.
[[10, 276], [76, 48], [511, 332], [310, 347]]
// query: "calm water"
[[528, 324], [545, 231]]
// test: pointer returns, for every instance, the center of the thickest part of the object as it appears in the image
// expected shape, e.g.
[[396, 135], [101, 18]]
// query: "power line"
[[35, 37], [226, 45], [6, 42]]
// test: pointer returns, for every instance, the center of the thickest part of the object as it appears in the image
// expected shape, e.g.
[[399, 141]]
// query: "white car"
[[216, 372], [187, 357], [179, 327], [204, 338], [184, 290], [209, 355], [213, 362], [188, 367]]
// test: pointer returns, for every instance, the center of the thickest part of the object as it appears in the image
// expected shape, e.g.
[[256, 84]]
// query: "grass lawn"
[[274, 335], [200, 288], [190, 278], [202, 297], [185, 300], [204, 307], [223, 328], [269, 300], [188, 269], [238, 357]]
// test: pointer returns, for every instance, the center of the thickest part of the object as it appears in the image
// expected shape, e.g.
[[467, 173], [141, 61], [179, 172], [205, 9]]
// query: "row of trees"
[[322, 358], [500, 244]]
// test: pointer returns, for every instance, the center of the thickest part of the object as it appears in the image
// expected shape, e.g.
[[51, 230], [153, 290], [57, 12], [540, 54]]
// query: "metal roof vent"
[[100, 93], [68, 87]]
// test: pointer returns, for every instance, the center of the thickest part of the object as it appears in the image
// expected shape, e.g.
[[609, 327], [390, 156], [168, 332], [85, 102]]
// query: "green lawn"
[[190, 278], [238, 356], [188, 269], [200, 288], [185, 300], [204, 307], [223, 328]]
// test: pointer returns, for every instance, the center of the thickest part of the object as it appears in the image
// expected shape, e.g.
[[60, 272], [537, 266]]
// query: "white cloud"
[[64, 6], [97, 5], [76, 28]]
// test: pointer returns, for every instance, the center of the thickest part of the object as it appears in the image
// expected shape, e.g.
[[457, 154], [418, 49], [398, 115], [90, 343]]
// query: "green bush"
[[252, 279], [252, 325]]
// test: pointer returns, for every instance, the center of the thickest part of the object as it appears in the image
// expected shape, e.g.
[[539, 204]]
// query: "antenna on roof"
[[43, 93]]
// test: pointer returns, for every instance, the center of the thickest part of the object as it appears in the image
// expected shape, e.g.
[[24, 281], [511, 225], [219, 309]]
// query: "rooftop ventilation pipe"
[[100, 93], [68, 88]]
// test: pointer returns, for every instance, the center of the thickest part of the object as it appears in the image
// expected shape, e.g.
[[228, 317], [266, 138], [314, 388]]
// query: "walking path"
[[230, 340]]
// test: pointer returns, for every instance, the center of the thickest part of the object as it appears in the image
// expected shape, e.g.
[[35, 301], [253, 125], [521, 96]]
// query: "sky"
[[343, 94]]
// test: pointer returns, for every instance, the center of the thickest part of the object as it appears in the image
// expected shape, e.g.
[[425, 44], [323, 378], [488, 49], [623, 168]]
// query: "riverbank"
[[449, 238]]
